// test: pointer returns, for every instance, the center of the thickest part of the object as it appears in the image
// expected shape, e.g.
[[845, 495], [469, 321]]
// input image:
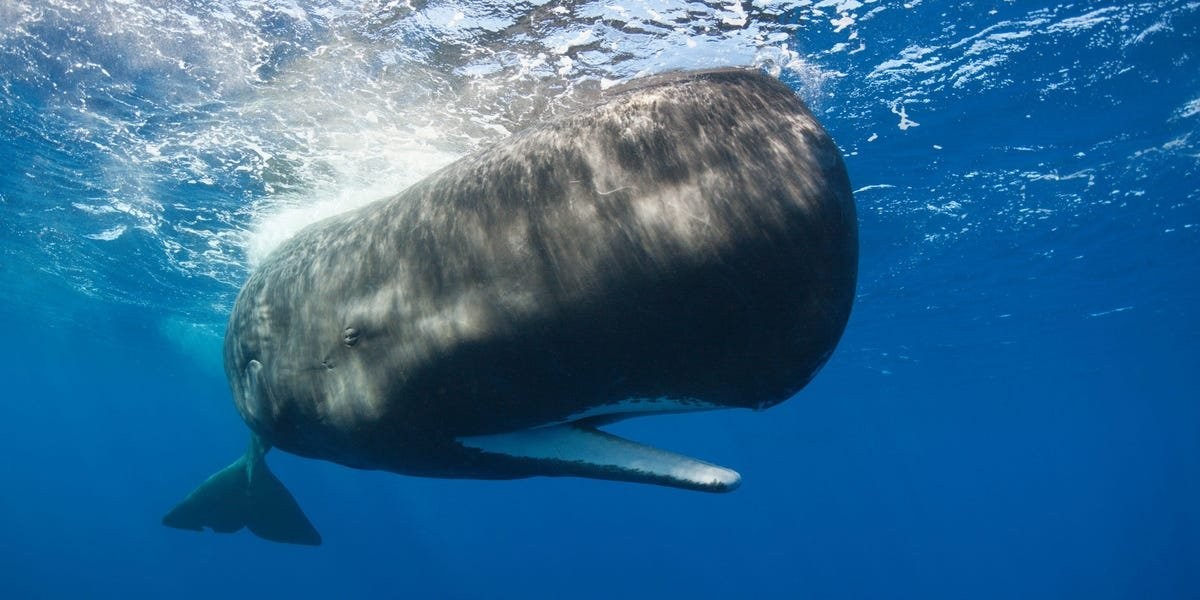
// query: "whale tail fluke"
[[245, 494]]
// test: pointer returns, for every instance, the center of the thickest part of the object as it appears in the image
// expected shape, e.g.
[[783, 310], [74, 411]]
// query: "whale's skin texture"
[[687, 242]]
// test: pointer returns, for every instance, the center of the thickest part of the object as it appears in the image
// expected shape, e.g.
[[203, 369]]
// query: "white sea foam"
[[108, 235], [1189, 109], [280, 218]]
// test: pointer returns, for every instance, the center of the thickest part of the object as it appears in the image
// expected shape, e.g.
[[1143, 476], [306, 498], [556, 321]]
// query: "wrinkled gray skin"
[[691, 237]]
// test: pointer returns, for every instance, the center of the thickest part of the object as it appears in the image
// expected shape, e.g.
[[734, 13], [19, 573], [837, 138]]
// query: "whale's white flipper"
[[582, 451]]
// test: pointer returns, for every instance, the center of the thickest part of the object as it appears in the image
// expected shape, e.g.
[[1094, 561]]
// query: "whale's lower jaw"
[[581, 451]]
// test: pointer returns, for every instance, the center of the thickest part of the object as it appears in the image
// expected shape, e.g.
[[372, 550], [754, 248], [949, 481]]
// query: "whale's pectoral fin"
[[245, 494], [582, 451]]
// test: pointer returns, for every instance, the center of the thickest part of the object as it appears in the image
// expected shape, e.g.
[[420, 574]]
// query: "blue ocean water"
[[1011, 413]]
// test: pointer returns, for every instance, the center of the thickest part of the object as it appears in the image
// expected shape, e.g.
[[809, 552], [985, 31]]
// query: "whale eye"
[[350, 336]]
